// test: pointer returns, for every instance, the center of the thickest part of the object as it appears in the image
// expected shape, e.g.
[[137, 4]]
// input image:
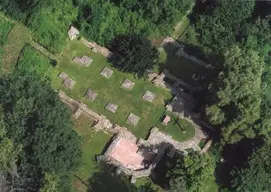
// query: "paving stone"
[[84, 60], [69, 83], [106, 72], [90, 94], [111, 107], [127, 84], [63, 75], [132, 119], [148, 96]]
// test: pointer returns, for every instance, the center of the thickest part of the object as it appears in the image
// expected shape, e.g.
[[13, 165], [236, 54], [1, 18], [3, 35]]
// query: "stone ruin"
[[106, 72], [111, 107], [132, 119], [97, 48], [90, 95], [73, 33], [84, 60], [63, 75], [127, 84], [69, 83], [148, 96]]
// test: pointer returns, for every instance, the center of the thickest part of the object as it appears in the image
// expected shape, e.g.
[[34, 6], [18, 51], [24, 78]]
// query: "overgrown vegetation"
[[100, 21], [39, 128]]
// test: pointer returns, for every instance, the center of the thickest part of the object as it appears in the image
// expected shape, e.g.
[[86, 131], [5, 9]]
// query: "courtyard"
[[88, 77], [110, 89]]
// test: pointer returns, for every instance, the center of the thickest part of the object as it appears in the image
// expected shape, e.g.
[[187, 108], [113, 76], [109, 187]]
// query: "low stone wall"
[[156, 137], [159, 81], [101, 120], [181, 53], [206, 146], [97, 48]]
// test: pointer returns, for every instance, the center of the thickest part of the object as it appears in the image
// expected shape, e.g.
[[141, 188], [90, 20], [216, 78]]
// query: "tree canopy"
[[134, 54], [38, 121], [191, 172], [237, 95], [220, 24], [256, 174]]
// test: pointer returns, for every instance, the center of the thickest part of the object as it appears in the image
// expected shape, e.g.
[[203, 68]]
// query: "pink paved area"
[[125, 152]]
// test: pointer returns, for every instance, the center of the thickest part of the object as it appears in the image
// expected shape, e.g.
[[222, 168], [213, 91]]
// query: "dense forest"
[[39, 149]]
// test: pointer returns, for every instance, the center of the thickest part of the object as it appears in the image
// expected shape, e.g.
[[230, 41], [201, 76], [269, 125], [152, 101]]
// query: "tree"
[[8, 152], [256, 174], [163, 14], [219, 26], [134, 54], [191, 172], [238, 95], [37, 120], [50, 183]]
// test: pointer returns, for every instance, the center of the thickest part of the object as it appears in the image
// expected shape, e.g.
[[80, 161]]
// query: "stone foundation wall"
[[159, 81], [99, 49]]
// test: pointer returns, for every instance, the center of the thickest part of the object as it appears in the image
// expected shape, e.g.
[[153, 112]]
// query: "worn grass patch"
[[110, 90], [5, 28], [17, 38]]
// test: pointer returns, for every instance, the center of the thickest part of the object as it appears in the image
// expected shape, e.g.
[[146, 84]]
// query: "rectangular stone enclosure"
[[84, 60], [132, 119], [69, 83], [148, 96], [90, 95], [106, 72], [127, 84], [63, 75], [111, 107]]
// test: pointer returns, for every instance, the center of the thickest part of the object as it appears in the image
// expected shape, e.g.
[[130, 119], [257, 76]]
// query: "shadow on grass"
[[105, 181]]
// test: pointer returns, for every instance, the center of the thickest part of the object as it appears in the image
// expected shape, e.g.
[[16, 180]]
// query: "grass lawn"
[[5, 28], [33, 61], [109, 90], [93, 144], [16, 40], [175, 126]]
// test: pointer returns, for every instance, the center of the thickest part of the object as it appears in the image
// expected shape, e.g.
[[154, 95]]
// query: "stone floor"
[[111, 107], [90, 94], [148, 96], [127, 84], [69, 83], [132, 119], [106, 72]]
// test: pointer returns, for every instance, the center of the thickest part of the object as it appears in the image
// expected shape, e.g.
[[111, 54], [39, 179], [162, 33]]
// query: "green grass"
[[175, 126], [17, 38], [5, 28], [33, 61], [210, 186], [93, 144], [109, 90]]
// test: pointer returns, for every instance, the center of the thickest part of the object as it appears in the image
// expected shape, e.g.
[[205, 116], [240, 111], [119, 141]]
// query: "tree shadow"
[[105, 181], [234, 155]]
